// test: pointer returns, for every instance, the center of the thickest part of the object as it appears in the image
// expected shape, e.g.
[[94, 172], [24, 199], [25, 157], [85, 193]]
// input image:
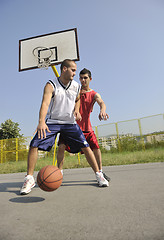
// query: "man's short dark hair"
[[85, 71], [66, 63]]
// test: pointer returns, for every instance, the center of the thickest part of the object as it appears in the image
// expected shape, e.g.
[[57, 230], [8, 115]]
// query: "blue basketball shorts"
[[72, 134]]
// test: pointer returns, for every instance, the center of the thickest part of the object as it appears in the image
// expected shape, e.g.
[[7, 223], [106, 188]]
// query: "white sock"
[[61, 171], [29, 176], [100, 170]]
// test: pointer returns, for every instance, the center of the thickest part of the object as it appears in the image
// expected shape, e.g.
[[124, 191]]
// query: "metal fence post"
[[96, 132], [1, 151], [118, 139], [140, 130], [16, 149], [78, 157]]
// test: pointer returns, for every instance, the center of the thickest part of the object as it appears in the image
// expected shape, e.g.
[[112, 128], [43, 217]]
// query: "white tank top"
[[62, 104]]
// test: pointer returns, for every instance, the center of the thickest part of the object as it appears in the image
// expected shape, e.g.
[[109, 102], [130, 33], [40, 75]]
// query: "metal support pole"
[[55, 162], [55, 70], [78, 157], [57, 75]]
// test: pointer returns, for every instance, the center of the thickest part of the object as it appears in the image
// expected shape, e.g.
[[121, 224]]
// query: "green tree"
[[10, 129]]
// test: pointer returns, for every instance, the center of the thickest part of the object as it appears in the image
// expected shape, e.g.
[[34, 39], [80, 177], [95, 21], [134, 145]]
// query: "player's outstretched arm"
[[42, 126], [102, 115]]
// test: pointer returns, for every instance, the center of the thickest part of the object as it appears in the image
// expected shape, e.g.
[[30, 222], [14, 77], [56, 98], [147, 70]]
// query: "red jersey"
[[86, 106]]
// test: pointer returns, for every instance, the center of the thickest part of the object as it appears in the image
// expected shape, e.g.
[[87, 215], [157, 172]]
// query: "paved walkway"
[[132, 208]]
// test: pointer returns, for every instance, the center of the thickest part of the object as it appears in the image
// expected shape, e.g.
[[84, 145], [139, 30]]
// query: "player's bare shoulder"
[[97, 98], [48, 89], [50, 85], [97, 95]]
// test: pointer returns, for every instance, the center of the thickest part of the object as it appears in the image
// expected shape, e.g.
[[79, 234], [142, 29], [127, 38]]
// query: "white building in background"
[[111, 141], [108, 142], [158, 138]]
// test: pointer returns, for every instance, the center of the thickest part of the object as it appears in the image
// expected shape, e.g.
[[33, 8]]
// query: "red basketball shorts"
[[70, 147]]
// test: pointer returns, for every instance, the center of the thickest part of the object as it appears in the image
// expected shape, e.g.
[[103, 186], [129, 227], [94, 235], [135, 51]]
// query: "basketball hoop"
[[43, 55]]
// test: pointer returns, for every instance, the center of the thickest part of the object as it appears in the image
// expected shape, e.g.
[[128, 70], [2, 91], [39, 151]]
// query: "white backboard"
[[63, 44]]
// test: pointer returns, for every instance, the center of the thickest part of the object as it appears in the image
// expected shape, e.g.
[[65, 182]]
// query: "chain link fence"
[[140, 133], [130, 135]]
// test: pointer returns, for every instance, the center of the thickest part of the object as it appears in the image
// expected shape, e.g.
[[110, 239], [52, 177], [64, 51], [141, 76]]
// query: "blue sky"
[[121, 42]]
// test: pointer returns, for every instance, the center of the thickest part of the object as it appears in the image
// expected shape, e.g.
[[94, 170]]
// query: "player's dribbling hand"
[[103, 116], [77, 116], [41, 129]]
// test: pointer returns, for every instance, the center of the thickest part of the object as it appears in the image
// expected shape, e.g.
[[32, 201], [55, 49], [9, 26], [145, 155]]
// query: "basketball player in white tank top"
[[61, 108]]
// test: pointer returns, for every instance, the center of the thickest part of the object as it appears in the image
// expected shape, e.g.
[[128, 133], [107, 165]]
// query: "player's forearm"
[[102, 107], [77, 110], [103, 115], [43, 112], [77, 105], [45, 102]]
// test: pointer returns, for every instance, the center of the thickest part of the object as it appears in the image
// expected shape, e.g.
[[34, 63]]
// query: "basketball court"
[[132, 207]]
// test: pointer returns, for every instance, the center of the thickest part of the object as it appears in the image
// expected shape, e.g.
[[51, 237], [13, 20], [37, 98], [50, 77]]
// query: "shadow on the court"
[[23, 199], [79, 183], [14, 187], [11, 187]]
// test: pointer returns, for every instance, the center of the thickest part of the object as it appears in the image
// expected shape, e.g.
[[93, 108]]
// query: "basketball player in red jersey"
[[88, 97]]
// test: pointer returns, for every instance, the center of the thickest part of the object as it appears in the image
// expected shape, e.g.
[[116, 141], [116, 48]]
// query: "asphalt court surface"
[[131, 208]]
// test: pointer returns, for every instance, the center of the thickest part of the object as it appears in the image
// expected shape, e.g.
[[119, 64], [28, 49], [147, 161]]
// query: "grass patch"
[[108, 159]]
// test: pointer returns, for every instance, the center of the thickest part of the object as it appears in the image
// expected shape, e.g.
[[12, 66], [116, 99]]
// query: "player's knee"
[[86, 149]]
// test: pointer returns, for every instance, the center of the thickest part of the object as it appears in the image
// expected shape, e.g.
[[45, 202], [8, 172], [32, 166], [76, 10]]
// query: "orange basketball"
[[49, 178]]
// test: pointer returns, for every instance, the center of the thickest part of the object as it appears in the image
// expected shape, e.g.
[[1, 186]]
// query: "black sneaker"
[[106, 177]]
